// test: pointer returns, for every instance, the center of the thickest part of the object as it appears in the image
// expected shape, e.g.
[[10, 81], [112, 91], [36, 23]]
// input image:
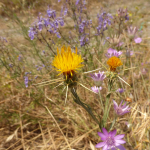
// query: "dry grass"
[[36, 118]]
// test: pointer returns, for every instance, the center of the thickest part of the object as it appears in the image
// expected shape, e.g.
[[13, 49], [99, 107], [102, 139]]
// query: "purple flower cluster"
[[26, 79], [84, 29], [39, 68], [19, 58], [98, 79], [80, 4], [112, 52], [123, 14], [100, 76], [51, 23], [111, 141], [104, 19], [121, 109], [120, 90]]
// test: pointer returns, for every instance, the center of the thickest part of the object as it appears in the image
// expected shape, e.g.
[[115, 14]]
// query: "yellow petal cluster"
[[66, 61], [114, 62]]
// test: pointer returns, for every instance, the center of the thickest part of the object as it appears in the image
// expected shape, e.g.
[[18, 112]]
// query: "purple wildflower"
[[36, 77], [83, 40], [121, 109], [26, 81], [32, 32], [112, 52], [51, 23], [10, 65], [104, 19], [77, 2], [138, 40], [96, 89], [123, 13], [26, 73], [40, 25], [110, 141], [120, 90], [100, 76], [51, 13]]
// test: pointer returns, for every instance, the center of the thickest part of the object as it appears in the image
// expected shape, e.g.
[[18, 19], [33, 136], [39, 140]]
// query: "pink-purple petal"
[[115, 104], [121, 103], [118, 137], [99, 145], [118, 142], [105, 147], [113, 133], [120, 147], [105, 131], [103, 136]]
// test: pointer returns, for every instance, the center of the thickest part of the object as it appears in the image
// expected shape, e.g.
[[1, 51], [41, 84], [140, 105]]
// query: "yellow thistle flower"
[[67, 62], [114, 62]]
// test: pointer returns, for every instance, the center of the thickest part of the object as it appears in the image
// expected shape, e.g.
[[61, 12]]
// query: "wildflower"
[[112, 52], [83, 40], [19, 58], [110, 141], [123, 14], [26, 81], [96, 89], [104, 19], [120, 90], [51, 13], [67, 62], [100, 76], [113, 63], [32, 32], [138, 40], [10, 65], [121, 109]]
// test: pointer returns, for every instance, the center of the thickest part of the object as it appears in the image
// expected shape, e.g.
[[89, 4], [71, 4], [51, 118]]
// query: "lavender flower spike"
[[110, 141], [121, 109], [96, 89], [100, 76]]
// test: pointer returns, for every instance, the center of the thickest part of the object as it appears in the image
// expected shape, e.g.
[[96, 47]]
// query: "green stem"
[[106, 111], [113, 123], [85, 106]]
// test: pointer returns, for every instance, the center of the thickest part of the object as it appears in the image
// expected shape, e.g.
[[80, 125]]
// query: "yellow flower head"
[[67, 62], [114, 62]]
